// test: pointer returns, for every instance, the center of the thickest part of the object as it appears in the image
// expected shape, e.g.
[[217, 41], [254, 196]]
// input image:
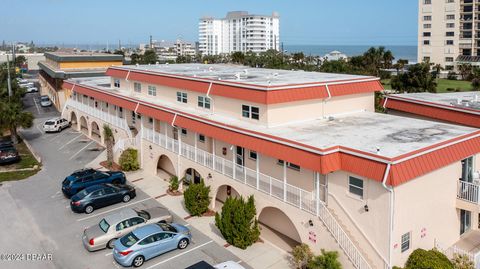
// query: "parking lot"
[[36, 217]]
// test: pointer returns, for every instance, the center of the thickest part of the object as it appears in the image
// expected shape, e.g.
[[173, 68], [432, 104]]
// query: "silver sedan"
[[114, 226]]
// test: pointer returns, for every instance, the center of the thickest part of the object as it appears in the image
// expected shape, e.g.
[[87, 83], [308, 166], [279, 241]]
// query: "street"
[[38, 219]]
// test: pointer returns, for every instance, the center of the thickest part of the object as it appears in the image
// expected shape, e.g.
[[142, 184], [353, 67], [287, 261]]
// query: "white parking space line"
[[36, 105], [38, 128], [75, 138], [110, 210], [181, 254], [109, 253], [78, 152], [58, 135]]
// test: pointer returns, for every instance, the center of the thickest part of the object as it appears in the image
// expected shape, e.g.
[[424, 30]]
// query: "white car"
[[32, 89], [45, 101], [228, 265], [26, 85], [55, 125], [22, 81]]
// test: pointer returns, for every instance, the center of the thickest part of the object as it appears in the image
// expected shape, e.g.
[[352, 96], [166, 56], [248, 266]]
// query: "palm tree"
[[12, 116], [465, 70], [438, 68], [108, 138]]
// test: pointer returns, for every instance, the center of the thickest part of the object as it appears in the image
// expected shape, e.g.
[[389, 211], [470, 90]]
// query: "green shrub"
[[428, 259], [129, 160], [326, 260], [302, 255], [174, 183], [237, 222], [462, 262], [197, 198]]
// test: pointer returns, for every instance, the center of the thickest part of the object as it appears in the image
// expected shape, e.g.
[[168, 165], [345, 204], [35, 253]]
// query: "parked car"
[[6, 144], [26, 85], [223, 265], [55, 125], [101, 195], [9, 156], [84, 178], [32, 89], [114, 226], [45, 101], [150, 241], [21, 81]]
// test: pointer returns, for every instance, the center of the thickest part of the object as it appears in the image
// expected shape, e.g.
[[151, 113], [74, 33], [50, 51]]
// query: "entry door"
[[465, 221], [467, 169], [240, 156]]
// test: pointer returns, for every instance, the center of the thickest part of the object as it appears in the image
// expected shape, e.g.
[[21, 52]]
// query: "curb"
[[35, 155]]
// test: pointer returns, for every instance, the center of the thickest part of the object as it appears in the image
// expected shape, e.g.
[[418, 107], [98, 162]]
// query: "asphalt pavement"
[[39, 230]]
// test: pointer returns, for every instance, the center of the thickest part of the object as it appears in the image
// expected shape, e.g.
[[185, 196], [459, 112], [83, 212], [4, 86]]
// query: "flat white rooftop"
[[468, 100], [364, 131], [243, 74]]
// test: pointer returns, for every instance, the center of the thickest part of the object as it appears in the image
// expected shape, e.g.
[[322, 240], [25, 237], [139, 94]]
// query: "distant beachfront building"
[[335, 56], [170, 50], [448, 32], [239, 31]]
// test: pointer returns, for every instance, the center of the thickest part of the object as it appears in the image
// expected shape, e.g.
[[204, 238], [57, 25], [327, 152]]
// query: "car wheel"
[[88, 209], [110, 243], [126, 198], [183, 243], [138, 261]]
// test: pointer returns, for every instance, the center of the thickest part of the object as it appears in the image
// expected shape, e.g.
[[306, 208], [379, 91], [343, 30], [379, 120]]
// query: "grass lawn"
[[7, 176], [442, 85]]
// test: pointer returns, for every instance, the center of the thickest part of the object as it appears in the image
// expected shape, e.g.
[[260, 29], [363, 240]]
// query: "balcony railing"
[[468, 191], [285, 192], [102, 115]]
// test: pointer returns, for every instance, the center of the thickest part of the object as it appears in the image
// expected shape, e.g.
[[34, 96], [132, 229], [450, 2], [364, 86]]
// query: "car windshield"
[[104, 225], [129, 240], [49, 123], [167, 227], [142, 213], [44, 98]]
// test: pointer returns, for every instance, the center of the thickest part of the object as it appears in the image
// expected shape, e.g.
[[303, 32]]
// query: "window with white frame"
[[204, 102], [251, 112], [252, 155], [116, 83], [201, 138], [182, 97], [355, 186], [137, 87], [152, 90], [293, 166], [405, 242]]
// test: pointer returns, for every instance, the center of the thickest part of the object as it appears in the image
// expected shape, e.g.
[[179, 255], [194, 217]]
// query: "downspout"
[[389, 189], [385, 103], [211, 99], [326, 100]]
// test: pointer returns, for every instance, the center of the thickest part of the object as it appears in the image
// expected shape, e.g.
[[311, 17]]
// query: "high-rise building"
[[239, 31], [449, 32]]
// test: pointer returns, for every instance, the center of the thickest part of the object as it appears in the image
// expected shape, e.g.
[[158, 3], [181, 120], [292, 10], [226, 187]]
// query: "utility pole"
[[9, 85]]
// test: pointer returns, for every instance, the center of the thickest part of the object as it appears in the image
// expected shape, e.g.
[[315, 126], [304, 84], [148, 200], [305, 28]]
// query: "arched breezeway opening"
[[74, 120], [277, 228], [96, 132], [84, 126], [165, 167], [223, 192]]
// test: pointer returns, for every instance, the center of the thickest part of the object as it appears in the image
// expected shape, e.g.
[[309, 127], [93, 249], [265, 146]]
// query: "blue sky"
[[318, 22]]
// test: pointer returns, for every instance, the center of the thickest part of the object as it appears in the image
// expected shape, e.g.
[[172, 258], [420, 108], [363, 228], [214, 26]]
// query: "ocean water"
[[399, 52]]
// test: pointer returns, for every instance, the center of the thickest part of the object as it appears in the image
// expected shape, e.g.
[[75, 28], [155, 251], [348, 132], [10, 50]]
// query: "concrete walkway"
[[259, 256]]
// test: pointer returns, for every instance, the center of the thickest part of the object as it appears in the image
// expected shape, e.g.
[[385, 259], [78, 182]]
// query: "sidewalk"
[[260, 255]]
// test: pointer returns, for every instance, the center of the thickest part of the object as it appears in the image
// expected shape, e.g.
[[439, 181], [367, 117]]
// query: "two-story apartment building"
[[62, 65], [324, 168]]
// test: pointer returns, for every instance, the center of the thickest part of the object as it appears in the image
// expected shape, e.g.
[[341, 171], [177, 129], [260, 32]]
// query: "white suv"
[[55, 125]]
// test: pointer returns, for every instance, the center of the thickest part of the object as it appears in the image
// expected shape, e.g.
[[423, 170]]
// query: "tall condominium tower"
[[239, 31]]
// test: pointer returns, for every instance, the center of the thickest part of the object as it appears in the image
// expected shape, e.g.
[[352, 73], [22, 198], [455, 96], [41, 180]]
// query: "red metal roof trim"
[[324, 163], [242, 91], [434, 112]]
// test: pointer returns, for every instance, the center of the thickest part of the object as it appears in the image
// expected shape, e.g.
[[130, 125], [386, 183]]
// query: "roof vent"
[[157, 63], [137, 65], [237, 75], [245, 71], [210, 69], [331, 118], [378, 150], [275, 74]]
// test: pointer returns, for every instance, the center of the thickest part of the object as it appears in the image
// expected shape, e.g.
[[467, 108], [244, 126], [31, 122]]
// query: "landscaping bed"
[[26, 167]]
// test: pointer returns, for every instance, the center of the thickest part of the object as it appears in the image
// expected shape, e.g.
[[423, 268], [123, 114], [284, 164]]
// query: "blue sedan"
[[85, 178], [149, 241]]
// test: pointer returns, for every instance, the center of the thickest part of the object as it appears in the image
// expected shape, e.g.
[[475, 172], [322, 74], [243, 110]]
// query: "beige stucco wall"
[[372, 224], [317, 108], [428, 203]]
